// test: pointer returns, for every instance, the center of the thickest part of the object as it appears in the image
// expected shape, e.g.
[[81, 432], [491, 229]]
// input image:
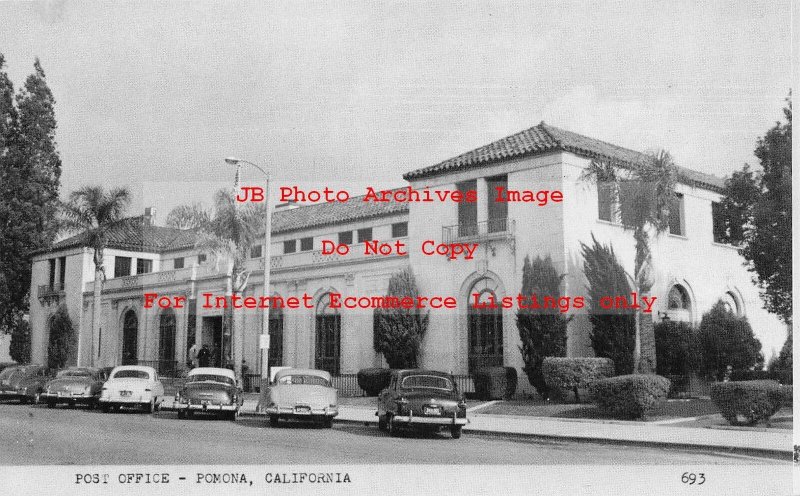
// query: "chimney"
[[150, 215]]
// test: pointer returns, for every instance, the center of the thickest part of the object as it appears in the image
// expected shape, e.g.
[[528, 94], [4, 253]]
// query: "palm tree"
[[96, 213], [227, 238], [646, 191]]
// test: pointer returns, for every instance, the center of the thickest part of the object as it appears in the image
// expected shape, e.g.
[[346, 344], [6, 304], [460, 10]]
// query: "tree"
[[613, 331], [30, 171], [727, 339], [677, 348], [227, 237], [97, 214], [61, 346], [762, 203], [192, 216], [20, 346], [543, 332], [399, 331], [646, 192]]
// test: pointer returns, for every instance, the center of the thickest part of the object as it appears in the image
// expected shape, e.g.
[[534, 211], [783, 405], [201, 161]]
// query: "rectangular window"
[[52, 281], [497, 211], [178, 263], [365, 234], [400, 230], [606, 201], [255, 251], [144, 266], [290, 246], [346, 238], [122, 266], [62, 271], [629, 196], [676, 215], [201, 258], [306, 244], [718, 223], [467, 212]]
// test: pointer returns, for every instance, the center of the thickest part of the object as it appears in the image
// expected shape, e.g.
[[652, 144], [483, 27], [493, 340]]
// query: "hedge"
[[373, 380], [569, 374], [747, 402], [629, 396], [494, 383]]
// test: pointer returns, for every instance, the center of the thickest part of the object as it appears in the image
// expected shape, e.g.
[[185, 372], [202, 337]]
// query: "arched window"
[[731, 303], [485, 327], [130, 338], [166, 343], [678, 298], [328, 337], [275, 337]]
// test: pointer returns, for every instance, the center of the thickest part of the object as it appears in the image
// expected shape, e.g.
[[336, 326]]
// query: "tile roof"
[[545, 138]]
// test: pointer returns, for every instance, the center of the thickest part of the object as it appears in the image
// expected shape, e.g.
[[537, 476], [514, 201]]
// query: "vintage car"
[[74, 385], [132, 386], [209, 390], [300, 394], [421, 398], [24, 382]]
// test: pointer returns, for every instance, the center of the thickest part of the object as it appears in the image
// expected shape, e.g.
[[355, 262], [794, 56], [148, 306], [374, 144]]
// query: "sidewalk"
[[614, 431]]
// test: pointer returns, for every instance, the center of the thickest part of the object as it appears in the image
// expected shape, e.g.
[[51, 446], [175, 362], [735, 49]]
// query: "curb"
[[761, 453]]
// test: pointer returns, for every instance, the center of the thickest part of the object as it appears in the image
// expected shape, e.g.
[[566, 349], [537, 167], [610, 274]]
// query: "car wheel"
[[273, 421], [328, 422], [23, 400], [105, 408], [382, 423], [455, 431], [391, 427], [181, 414], [51, 404], [150, 407], [189, 414]]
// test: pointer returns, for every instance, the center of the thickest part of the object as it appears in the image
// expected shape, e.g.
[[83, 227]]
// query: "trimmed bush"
[[726, 339], [629, 396], [569, 374], [787, 394], [751, 375], [747, 402], [373, 380], [494, 383]]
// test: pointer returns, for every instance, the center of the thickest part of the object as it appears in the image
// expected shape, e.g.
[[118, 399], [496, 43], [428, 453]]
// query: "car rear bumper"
[[9, 394], [124, 401], [288, 412], [410, 419], [203, 408], [55, 398]]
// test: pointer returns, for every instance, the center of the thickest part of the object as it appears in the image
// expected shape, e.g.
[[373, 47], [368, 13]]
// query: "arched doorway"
[[328, 337], [484, 327], [130, 338], [166, 343]]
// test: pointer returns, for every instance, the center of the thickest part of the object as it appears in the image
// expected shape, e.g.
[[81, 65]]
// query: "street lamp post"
[[266, 255]]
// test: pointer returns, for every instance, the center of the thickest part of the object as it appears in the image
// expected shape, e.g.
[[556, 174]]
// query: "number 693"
[[692, 478]]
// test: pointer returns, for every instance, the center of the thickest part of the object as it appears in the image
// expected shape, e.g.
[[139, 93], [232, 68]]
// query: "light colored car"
[[209, 390], [300, 394], [132, 386]]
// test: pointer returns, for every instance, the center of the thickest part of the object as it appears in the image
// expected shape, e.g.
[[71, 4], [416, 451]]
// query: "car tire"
[[328, 422], [105, 408], [273, 420], [181, 414], [189, 414], [23, 400], [150, 407], [391, 427], [455, 431], [51, 404], [382, 423]]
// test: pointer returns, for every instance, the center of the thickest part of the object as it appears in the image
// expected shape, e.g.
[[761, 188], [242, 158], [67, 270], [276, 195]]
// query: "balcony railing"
[[47, 292], [487, 229]]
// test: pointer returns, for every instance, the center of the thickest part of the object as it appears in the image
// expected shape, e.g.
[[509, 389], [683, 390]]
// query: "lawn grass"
[[537, 408]]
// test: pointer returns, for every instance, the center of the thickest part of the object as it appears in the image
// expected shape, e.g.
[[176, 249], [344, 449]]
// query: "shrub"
[[677, 349], [61, 348], [629, 396], [542, 332], [494, 383], [727, 339], [20, 347], [747, 402], [398, 332], [613, 331], [569, 374], [781, 367], [787, 395], [751, 375], [373, 380]]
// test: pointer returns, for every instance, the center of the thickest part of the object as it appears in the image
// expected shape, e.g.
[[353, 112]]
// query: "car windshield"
[[131, 374], [211, 378], [427, 382], [308, 380], [7, 373], [75, 373]]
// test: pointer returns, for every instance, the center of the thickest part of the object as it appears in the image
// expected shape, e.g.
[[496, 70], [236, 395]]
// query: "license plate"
[[125, 393], [302, 409], [430, 410]]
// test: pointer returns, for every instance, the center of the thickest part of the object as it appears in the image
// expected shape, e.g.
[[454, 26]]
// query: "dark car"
[[421, 398], [73, 386], [24, 382], [209, 390]]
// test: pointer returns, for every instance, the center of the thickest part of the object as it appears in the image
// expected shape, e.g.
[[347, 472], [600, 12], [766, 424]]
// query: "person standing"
[[204, 356], [193, 351]]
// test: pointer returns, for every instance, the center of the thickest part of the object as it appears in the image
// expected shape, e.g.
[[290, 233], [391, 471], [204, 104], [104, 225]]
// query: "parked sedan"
[[24, 382], [209, 390], [132, 385], [74, 385], [421, 398], [301, 394]]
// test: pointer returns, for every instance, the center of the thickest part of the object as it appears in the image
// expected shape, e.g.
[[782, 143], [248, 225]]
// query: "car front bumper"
[[418, 419]]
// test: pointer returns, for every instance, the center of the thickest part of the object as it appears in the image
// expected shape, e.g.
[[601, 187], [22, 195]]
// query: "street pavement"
[[36, 435]]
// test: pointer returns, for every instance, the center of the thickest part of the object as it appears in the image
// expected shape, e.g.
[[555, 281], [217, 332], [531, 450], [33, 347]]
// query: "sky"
[[154, 95]]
